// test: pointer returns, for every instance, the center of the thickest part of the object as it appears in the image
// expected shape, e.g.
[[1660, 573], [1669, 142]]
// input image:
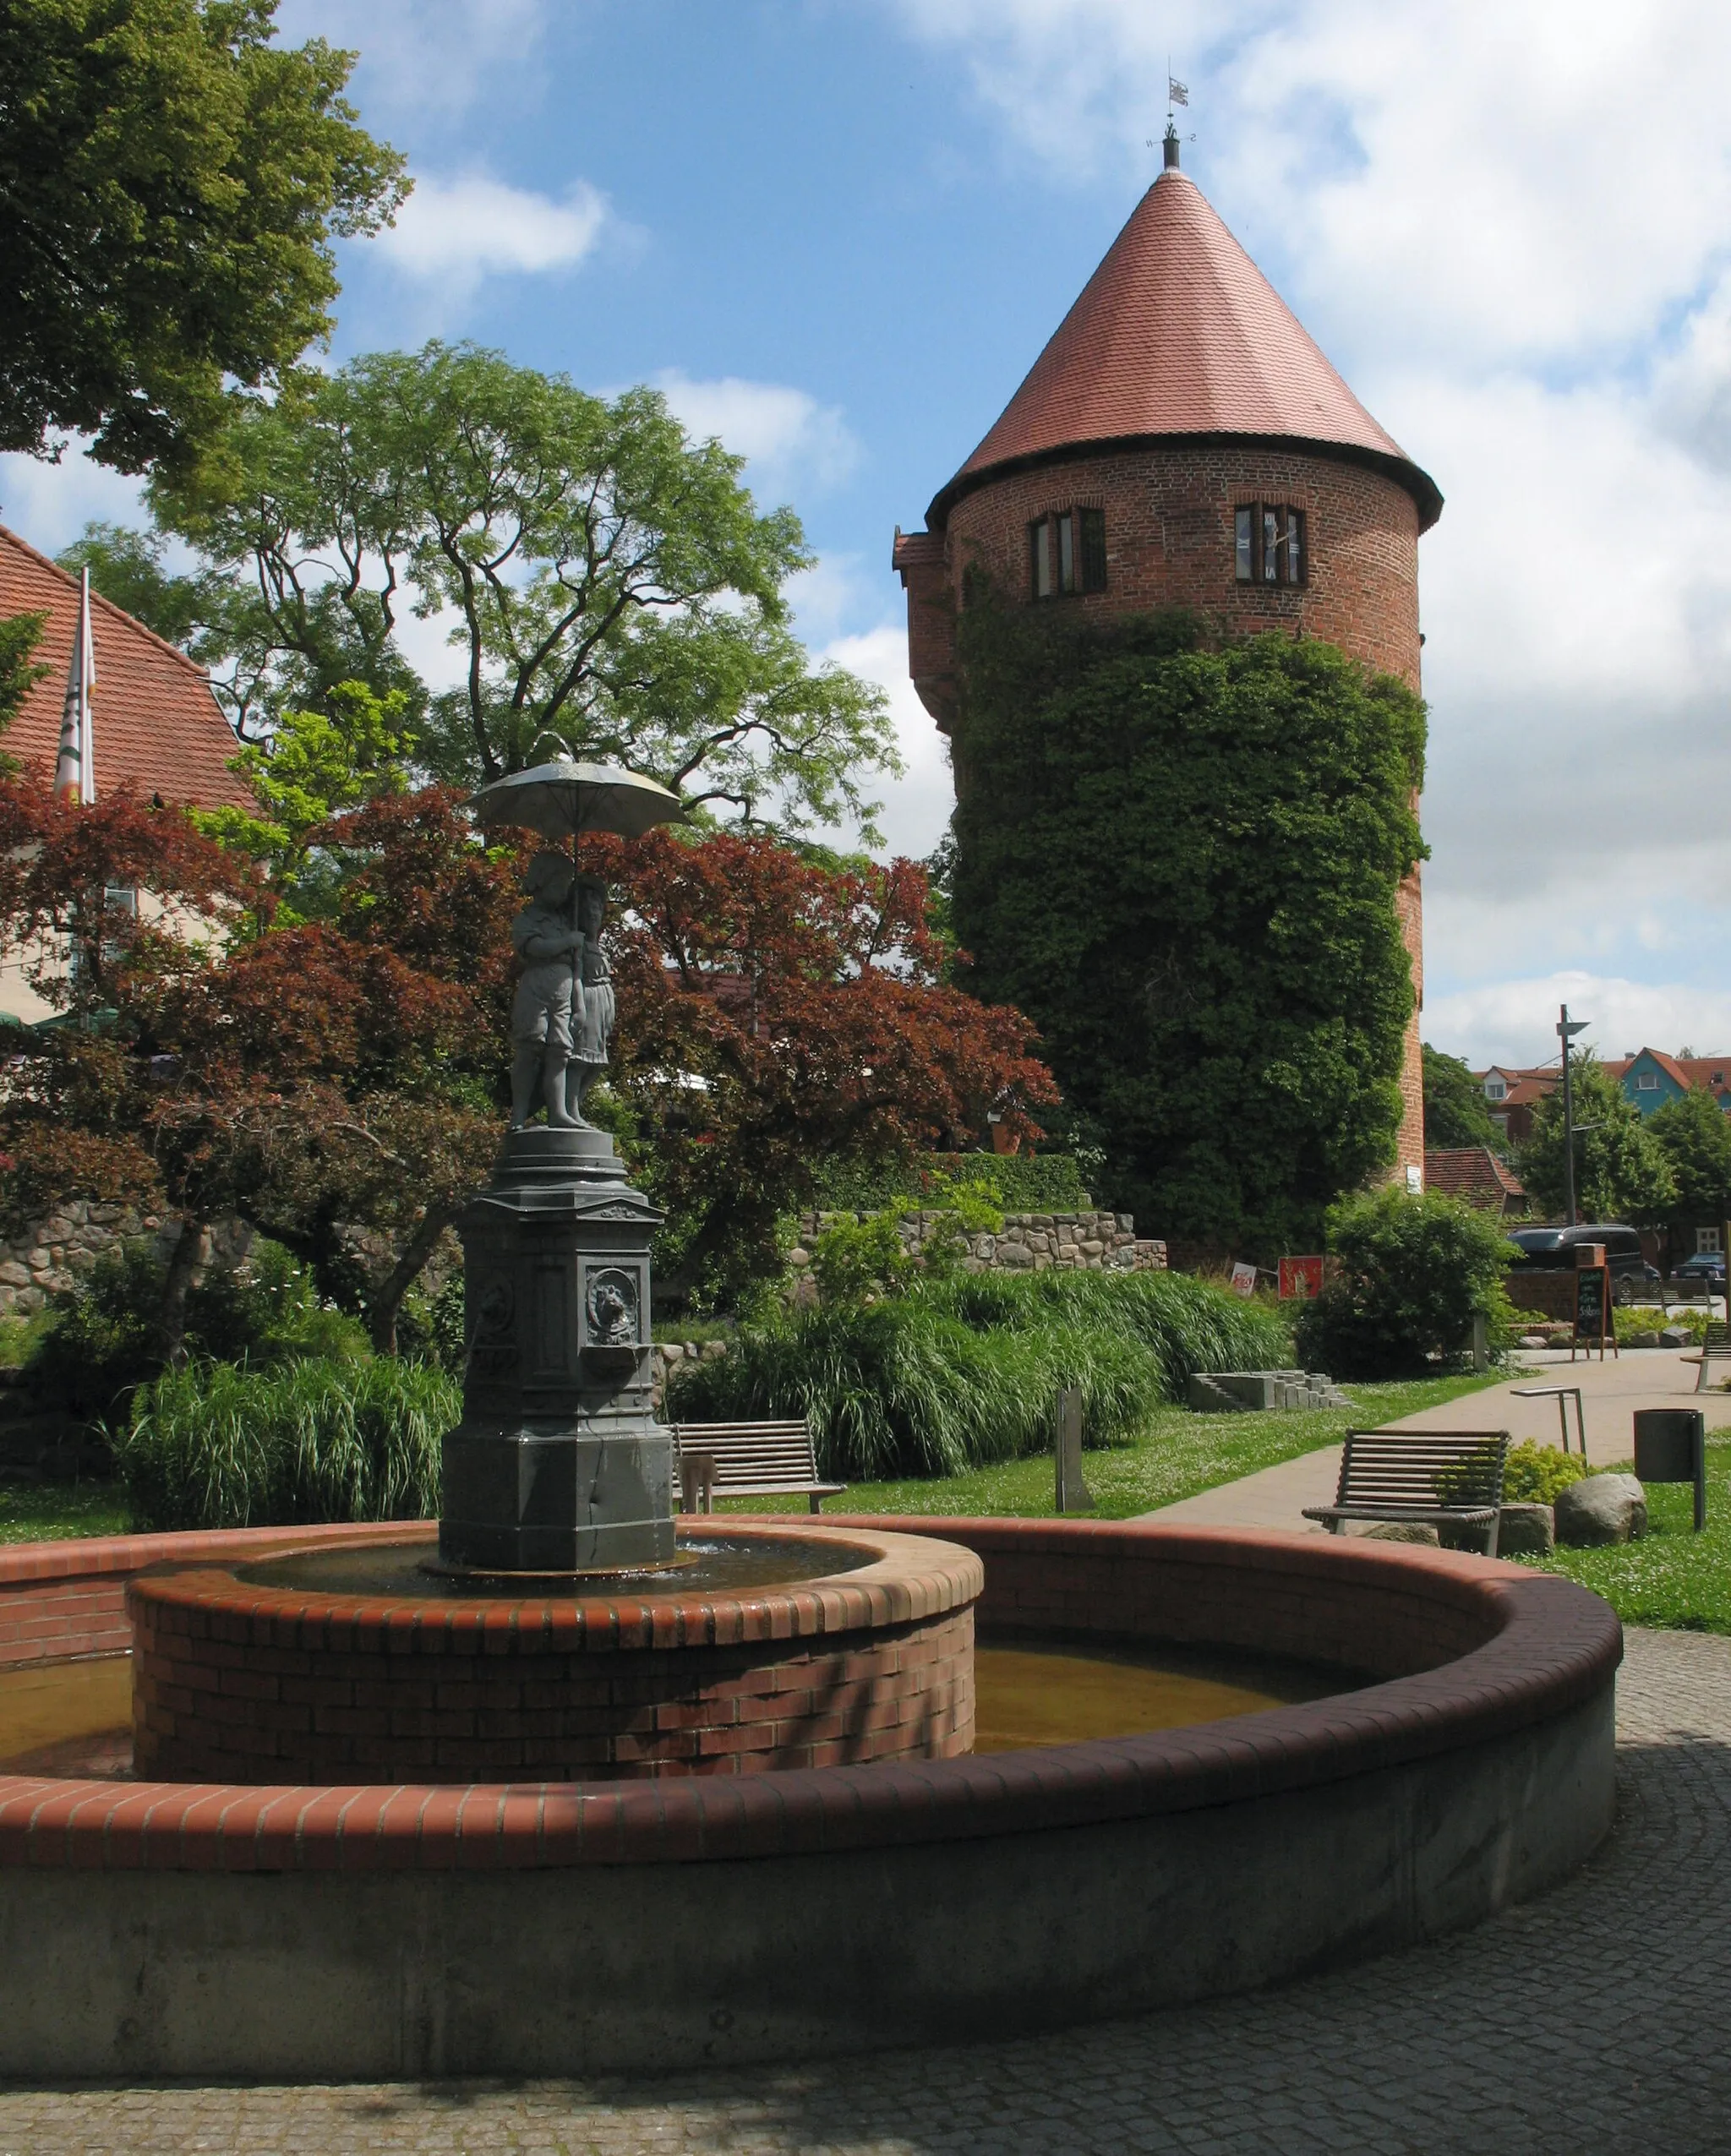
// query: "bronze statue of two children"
[[562, 1015]]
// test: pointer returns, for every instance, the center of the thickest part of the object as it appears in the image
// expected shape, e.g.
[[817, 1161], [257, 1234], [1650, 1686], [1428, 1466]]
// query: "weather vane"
[[1177, 93]]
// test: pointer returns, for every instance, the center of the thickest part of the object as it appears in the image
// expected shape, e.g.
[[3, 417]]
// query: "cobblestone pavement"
[[1595, 2022]]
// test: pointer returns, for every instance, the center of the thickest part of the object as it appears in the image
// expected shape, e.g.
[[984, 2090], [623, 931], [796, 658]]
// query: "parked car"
[[1705, 1265], [1554, 1247]]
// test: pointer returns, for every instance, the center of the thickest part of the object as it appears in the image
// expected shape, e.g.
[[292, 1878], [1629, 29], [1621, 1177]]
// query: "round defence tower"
[[1182, 441]]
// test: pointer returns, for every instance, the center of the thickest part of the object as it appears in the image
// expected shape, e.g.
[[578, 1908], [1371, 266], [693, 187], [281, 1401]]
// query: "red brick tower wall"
[[1169, 537]]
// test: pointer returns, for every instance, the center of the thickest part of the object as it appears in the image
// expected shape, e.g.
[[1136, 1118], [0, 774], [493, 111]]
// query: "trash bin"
[[1671, 1446]]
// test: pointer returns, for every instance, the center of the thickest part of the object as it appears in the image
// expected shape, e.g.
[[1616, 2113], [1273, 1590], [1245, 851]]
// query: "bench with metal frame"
[[1431, 1478], [753, 1460], [1716, 1347]]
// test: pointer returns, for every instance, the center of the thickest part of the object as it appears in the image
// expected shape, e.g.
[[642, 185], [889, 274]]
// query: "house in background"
[[1474, 1173], [1511, 1093], [156, 727], [1651, 1078]]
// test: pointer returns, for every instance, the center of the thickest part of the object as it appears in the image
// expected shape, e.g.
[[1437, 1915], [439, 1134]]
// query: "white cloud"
[[1510, 225], [453, 232], [916, 807], [792, 442], [424, 57], [1514, 1021], [48, 505]]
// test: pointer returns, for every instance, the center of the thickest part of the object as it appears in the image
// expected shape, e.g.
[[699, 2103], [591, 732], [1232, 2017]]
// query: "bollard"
[[1072, 1492]]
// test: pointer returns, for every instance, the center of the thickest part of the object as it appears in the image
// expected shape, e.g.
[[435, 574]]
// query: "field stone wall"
[[1029, 1242], [43, 1260]]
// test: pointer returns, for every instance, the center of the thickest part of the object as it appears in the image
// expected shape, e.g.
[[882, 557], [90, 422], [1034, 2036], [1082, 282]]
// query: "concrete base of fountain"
[[365, 1927]]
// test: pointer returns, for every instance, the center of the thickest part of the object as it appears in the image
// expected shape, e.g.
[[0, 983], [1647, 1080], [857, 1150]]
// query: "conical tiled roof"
[[1178, 332]]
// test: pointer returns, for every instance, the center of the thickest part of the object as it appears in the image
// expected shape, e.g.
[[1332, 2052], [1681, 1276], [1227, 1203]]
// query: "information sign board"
[[1244, 1281], [1300, 1279], [1595, 1322]]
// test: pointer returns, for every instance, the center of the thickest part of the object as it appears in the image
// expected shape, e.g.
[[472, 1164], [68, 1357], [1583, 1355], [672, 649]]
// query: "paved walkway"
[[1610, 1393], [1593, 2023]]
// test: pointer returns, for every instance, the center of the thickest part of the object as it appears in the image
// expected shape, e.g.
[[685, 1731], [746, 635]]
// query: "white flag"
[[75, 767], [1177, 93]]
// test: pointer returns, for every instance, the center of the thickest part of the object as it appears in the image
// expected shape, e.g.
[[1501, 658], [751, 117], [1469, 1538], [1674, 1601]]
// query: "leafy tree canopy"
[[609, 586], [1455, 1111], [170, 184], [1694, 1134], [1414, 1272], [1621, 1172], [19, 669], [1183, 863]]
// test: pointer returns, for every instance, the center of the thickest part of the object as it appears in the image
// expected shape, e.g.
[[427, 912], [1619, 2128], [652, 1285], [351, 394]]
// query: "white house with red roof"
[[157, 728]]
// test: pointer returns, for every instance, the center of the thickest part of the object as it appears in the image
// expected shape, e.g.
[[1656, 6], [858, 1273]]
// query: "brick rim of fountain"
[[237, 1679], [1535, 1647]]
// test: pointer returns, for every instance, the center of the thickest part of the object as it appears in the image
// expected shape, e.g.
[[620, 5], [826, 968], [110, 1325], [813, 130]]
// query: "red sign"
[[1300, 1279]]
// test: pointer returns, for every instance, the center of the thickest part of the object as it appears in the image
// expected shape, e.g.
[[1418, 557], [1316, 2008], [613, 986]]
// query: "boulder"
[[1603, 1508], [1641, 1340], [1526, 1528], [1397, 1531], [1533, 1340], [1676, 1336]]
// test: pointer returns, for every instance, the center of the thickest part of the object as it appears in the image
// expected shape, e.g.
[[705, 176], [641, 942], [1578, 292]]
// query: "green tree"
[[1455, 1113], [1621, 1172], [1181, 864], [170, 185], [1414, 1273], [19, 670], [315, 766], [1694, 1134], [610, 587]]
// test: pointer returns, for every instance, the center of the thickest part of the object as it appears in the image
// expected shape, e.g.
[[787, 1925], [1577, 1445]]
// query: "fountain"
[[562, 1784]]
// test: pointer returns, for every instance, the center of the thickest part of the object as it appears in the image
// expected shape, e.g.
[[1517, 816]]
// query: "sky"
[[837, 233]]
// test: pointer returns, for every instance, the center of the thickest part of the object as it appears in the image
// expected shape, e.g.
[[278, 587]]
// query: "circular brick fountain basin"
[[358, 1929], [865, 1654]]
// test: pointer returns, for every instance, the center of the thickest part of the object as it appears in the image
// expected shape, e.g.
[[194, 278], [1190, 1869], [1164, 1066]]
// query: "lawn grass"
[[48, 1512], [1175, 1455], [1671, 1577]]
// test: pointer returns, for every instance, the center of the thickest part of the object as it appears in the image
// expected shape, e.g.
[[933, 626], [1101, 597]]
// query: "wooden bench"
[[754, 1460], [1434, 1478], [1715, 1348]]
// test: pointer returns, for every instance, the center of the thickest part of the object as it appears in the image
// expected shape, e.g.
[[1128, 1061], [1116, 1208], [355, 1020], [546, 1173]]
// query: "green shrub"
[[1535, 1474], [856, 1258], [216, 1446], [100, 1342], [1414, 1273], [1018, 1182], [959, 1374]]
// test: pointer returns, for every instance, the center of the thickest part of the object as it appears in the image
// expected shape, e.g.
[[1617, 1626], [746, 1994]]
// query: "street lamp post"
[[1567, 1028]]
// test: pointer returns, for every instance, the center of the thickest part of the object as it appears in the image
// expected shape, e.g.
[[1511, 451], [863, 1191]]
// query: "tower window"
[[1270, 544], [1067, 553]]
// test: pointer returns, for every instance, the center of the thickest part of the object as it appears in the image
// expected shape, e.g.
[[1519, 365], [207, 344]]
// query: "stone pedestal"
[[559, 1464]]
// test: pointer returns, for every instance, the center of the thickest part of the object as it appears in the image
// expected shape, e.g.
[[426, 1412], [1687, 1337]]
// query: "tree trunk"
[[188, 1255], [385, 1297]]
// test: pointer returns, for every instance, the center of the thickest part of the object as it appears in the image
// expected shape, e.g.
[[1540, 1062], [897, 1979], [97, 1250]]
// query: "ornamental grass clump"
[[216, 1446], [960, 1373]]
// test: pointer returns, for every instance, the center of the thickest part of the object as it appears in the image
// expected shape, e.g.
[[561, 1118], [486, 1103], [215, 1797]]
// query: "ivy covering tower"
[[1183, 538]]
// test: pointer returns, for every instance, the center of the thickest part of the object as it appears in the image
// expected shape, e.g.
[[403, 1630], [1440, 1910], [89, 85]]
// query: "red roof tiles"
[[1475, 1173], [156, 726], [1178, 332]]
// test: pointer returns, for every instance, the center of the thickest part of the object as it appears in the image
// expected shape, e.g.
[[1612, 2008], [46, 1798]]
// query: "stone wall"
[[41, 1262], [1029, 1242]]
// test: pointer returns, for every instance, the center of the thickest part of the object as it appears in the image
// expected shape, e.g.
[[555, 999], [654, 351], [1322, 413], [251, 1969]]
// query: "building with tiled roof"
[[1182, 440], [157, 727], [1474, 1173], [1649, 1078]]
